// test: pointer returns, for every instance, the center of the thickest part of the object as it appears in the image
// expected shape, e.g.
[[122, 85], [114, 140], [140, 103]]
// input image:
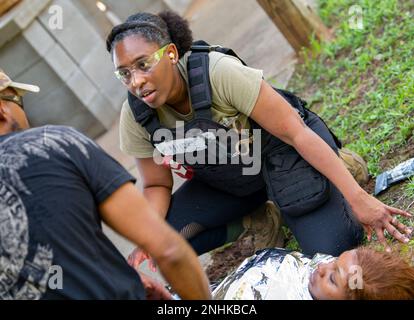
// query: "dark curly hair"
[[163, 28]]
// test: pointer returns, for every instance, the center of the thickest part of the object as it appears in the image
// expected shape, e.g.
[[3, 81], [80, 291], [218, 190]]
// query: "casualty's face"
[[330, 280], [13, 118], [153, 87]]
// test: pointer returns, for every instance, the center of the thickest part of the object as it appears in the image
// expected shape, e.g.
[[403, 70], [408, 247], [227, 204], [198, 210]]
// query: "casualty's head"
[[145, 50], [12, 115], [366, 273]]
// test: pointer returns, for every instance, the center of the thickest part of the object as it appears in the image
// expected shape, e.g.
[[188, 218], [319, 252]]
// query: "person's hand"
[[138, 256], [378, 217], [154, 290]]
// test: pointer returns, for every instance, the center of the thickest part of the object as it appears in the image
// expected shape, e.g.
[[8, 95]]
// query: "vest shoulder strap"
[[143, 114], [199, 83]]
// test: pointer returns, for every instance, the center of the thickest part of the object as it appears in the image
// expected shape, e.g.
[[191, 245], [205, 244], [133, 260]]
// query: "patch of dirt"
[[395, 197], [368, 83], [369, 186], [398, 155], [227, 259], [308, 93]]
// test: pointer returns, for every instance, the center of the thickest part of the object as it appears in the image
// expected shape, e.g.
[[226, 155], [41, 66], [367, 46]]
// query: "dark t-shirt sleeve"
[[103, 174]]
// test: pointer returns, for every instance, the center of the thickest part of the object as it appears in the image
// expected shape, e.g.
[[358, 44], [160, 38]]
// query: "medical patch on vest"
[[186, 145]]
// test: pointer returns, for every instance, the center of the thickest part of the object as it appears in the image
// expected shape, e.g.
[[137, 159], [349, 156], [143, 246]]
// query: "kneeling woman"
[[300, 171]]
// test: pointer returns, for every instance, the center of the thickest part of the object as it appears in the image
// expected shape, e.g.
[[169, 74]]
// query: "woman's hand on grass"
[[376, 217]]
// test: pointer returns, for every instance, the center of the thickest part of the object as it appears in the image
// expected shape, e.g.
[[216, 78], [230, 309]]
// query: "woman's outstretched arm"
[[275, 115]]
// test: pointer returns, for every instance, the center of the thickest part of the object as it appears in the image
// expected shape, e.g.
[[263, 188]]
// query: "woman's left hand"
[[377, 217]]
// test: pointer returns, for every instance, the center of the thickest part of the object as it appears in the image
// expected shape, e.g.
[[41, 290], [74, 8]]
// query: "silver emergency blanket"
[[400, 172], [271, 274]]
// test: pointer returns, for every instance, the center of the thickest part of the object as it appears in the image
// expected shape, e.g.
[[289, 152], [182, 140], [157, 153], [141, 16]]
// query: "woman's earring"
[[171, 55]]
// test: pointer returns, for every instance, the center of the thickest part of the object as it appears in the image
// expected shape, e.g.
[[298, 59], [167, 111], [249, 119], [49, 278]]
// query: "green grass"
[[409, 188], [362, 83]]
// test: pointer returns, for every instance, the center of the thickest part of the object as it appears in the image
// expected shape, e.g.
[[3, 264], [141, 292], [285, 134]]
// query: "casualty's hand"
[[138, 256], [154, 290], [377, 217]]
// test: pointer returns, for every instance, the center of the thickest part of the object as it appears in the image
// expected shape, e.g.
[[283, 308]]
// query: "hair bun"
[[179, 31]]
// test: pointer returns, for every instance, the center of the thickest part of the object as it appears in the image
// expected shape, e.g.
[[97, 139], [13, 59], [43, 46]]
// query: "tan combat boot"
[[355, 164], [265, 226]]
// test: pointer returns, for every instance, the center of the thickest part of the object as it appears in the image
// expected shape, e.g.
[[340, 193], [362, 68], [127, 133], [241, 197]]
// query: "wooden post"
[[296, 21], [6, 5]]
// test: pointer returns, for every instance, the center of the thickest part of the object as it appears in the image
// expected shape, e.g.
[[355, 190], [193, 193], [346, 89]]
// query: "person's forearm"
[[315, 150], [175, 266], [128, 213], [159, 198]]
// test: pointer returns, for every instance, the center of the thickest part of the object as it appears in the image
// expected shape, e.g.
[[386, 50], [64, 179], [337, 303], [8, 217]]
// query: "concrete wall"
[[244, 26], [70, 65], [56, 103], [29, 54], [122, 9], [179, 6]]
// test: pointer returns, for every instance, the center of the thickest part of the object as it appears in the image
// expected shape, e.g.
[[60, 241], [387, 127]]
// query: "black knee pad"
[[293, 183]]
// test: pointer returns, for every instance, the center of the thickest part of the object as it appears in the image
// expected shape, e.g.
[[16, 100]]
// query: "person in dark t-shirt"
[[56, 187]]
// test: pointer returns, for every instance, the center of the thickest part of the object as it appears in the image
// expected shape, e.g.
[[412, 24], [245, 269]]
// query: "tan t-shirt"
[[235, 89]]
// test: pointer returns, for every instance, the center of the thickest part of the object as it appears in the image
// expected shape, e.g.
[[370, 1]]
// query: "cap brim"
[[22, 88]]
